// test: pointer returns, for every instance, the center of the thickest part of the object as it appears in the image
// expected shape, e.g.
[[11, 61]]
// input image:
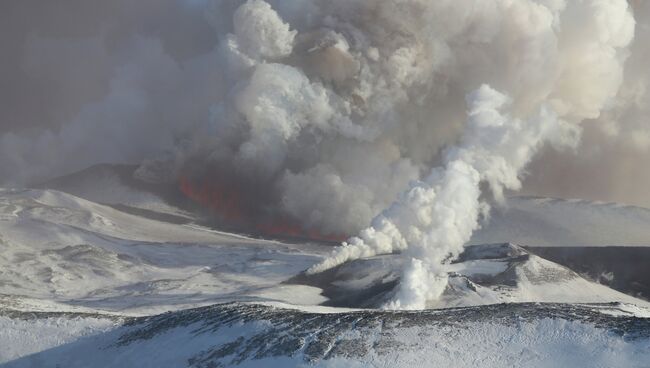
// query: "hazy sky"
[[59, 55]]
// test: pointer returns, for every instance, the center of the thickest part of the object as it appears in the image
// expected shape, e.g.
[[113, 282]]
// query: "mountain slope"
[[484, 274], [118, 185], [531, 335], [82, 284], [64, 249], [531, 221]]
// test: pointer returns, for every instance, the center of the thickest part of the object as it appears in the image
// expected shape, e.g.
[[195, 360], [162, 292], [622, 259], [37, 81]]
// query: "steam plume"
[[436, 217], [329, 112]]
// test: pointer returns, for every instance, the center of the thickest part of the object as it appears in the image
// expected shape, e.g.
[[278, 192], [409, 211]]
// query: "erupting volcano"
[[234, 205], [283, 179]]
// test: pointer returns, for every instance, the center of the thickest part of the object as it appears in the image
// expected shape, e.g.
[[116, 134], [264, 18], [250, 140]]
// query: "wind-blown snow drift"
[[336, 107]]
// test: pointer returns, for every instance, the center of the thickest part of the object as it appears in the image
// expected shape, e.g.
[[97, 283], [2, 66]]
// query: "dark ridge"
[[249, 332], [322, 336], [341, 297], [77, 183], [152, 215], [34, 315], [73, 183]]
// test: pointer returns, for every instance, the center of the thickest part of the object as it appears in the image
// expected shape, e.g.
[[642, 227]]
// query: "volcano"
[[97, 277]]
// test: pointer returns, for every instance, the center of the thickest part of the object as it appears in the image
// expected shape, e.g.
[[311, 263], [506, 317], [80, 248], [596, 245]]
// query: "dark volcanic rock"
[[227, 335], [318, 336]]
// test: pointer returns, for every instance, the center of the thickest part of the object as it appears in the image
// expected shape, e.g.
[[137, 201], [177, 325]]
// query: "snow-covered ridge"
[[92, 269], [248, 335], [484, 274], [119, 185], [64, 253], [531, 221]]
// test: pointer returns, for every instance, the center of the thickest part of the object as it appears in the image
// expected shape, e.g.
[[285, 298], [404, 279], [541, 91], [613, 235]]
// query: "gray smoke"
[[615, 146], [344, 113]]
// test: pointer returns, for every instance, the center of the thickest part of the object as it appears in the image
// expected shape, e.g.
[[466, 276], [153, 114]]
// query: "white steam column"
[[432, 220]]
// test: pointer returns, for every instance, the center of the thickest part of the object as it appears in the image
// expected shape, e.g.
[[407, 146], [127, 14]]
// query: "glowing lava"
[[224, 201], [235, 209]]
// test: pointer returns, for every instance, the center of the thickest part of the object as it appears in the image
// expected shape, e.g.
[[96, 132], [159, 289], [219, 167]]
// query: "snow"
[[57, 247], [22, 337], [540, 222], [62, 253], [299, 295], [537, 280], [507, 274], [115, 185], [541, 280], [547, 343], [623, 310], [540, 342]]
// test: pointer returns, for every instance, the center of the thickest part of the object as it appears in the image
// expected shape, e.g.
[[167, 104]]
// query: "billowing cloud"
[[336, 115]]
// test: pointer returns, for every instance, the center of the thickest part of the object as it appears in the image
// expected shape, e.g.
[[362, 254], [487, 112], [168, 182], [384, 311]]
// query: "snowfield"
[[84, 284], [85, 256]]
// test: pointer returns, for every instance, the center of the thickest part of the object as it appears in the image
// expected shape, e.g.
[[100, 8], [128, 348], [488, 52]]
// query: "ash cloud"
[[615, 146], [336, 114]]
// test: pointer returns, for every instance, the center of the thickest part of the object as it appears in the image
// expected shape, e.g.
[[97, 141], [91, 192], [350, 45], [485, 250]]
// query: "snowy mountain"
[[61, 249], [484, 274], [531, 221], [245, 335], [120, 186], [83, 284]]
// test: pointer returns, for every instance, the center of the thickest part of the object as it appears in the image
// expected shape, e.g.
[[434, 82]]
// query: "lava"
[[219, 198], [231, 204], [292, 229]]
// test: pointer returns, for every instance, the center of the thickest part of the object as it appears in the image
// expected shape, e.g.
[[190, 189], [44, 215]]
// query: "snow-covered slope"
[[239, 335], [540, 222], [65, 251], [622, 268], [81, 285], [531, 221], [62, 252], [484, 274], [119, 185]]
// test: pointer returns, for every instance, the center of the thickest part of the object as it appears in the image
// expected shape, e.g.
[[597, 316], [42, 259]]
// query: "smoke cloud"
[[335, 115], [435, 218], [607, 165]]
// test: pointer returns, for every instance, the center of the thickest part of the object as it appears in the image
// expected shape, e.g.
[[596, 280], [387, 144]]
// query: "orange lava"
[[215, 197], [226, 202]]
